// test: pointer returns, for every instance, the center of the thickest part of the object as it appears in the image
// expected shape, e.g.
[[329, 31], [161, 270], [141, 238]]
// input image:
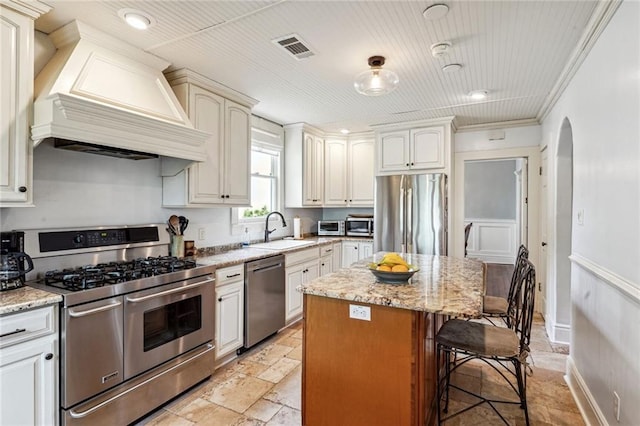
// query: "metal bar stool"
[[504, 349]]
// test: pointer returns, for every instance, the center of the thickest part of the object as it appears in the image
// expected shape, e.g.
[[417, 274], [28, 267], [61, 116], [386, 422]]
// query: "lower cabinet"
[[326, 260], [28, 368], [301, 267], [353, 251], [229, 310]]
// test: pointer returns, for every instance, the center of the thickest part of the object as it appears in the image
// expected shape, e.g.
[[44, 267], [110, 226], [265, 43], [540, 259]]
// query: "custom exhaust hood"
[[110, 98]]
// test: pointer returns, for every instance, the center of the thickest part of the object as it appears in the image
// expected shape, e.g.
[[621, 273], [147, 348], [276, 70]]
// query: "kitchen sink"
[[282, 244]]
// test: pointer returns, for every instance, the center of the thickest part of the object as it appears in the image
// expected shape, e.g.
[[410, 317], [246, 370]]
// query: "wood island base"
[[358, 372]]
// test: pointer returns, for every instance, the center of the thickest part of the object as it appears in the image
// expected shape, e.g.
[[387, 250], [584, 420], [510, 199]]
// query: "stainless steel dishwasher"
[[264, 299]]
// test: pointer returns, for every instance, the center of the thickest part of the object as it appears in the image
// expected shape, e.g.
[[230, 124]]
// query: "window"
[[265, 182]]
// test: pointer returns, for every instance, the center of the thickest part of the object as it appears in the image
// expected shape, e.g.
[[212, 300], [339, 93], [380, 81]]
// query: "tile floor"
[[262, 387]]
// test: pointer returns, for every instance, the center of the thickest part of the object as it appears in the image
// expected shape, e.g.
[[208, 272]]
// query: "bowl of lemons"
[[392, 269]]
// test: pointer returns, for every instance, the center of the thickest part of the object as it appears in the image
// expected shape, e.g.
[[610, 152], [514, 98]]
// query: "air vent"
[[295, 46]]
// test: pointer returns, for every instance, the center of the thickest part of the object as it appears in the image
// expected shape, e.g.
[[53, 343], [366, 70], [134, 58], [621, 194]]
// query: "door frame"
[[532, 154]]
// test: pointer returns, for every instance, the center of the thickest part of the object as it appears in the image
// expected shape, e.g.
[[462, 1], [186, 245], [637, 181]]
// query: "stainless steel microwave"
[[331, 227], [359, 226]]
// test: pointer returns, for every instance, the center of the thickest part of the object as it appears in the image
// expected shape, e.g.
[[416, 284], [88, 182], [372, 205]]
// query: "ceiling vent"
[[296, 47]]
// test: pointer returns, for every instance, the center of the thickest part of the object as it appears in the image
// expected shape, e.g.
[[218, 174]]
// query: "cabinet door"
[[237, 154], [361, 167], [28, 383], [16, 74], [365, 250], [311, 272], [206, 112], [393, 151], [229, 318], [326, 265], [294, 298], [349, 253], [337, 256], [335, 172], [427, 148], [313, 170]]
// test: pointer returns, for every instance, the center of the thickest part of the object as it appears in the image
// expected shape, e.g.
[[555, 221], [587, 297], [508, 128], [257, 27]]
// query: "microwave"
[[359, 226], [331, 227]]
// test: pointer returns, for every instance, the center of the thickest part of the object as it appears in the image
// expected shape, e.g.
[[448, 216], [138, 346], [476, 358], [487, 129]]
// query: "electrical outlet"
[[616, 405], [202, 234], [360, 312]]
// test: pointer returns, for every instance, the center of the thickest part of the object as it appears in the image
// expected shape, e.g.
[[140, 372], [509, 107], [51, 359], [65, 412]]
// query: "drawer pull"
[[18, 330], [234, 275]]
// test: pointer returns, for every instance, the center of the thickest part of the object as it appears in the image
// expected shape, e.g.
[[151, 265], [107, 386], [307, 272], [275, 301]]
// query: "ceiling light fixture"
[[435, 11], [376, 81], [440, 49], [136, 18], [478, 95]]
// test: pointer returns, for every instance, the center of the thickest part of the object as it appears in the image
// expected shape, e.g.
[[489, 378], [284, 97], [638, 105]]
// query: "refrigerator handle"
[[409, 216]]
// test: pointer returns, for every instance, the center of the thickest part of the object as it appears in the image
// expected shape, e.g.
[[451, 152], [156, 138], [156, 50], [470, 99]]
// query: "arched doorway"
[[563, 230]]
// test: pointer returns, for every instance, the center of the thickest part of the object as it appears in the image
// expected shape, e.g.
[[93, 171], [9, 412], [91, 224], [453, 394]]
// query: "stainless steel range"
[[136, 325]]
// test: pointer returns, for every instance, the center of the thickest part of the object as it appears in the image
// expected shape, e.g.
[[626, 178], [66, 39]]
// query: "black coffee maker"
[[12, 260]]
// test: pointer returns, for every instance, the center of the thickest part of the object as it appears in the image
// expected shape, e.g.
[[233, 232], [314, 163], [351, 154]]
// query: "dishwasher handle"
[[267, 268]]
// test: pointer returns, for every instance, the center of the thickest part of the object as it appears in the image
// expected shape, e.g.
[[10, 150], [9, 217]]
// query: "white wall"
[[602, 102]]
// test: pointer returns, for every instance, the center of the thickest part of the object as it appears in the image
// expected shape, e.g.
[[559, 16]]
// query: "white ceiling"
[[516, 50]]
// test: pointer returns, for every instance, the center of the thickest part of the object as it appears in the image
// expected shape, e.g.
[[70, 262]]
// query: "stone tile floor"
[[262, 387]]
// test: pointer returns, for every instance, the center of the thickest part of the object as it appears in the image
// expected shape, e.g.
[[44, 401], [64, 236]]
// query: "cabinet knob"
[[219, 299], [227, 196], [351, 201], [407, 164], [22, 189], [222, 196], [48, 356], [355, 248], [412, 164], [322, 264]]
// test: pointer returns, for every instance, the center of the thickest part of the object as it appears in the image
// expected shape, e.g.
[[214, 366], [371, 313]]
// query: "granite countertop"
[[247, 254], [443, 285], [24, 298]]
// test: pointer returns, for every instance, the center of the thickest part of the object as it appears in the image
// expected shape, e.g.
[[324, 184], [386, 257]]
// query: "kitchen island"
[[380, 368]]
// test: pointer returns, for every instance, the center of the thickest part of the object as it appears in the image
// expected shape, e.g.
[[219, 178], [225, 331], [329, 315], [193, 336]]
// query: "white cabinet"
[[337, 255], [349, 177], [28, 367], [304, 166], [412, 149], [229, 310], [313, 170], [16, 74], [325, 264], [224, 177], [300, 268], [353, 251]]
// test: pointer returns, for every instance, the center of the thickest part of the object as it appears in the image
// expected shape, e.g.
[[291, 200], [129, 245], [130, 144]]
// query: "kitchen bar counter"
[[369, 352], [24, 298], [443, 285]]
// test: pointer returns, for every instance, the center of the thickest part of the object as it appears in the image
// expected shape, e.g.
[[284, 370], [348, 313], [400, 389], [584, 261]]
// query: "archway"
[[563, 231]]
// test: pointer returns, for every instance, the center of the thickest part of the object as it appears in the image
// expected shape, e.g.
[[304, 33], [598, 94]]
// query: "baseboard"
[[584, 400], [561, 333]]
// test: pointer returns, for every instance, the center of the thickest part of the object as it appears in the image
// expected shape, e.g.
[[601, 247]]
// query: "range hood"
[[100, 91]]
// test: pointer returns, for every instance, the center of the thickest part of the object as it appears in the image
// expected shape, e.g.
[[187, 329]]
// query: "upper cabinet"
[[348, 172], [16, 74], [223, 179], [328, 171], [420, 148]]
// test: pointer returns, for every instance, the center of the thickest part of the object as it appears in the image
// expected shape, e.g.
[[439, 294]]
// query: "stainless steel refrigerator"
[[411, 214]]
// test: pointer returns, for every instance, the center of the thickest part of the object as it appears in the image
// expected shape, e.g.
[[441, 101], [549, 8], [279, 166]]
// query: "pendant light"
[[376, 81]]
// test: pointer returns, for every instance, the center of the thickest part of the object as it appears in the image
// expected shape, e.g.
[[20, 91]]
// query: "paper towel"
[[297, 233]]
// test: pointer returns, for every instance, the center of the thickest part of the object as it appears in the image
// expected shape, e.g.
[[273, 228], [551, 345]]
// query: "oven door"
[[167, 321]]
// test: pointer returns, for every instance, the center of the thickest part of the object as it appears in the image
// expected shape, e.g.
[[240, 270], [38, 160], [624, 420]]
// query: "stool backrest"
[[516, 282], [524, 315]]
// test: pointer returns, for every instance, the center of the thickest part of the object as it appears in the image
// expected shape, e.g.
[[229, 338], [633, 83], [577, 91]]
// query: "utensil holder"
[[177, 246]]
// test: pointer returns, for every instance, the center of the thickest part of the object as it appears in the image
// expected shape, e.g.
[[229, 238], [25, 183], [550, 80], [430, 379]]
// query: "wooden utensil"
[[174, 224]]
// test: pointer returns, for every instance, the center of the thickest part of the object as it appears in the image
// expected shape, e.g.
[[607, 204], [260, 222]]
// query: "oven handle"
[[166, 292], [79, 314], [82, 414]]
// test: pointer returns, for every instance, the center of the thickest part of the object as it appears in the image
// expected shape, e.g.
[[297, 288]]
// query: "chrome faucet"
[[266, 225]]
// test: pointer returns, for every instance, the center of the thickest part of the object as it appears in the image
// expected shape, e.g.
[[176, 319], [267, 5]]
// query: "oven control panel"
[[82, 239]]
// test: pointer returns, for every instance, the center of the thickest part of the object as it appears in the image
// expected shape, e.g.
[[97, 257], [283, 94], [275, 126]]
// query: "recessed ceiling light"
[[344, 131], [440, 49], [478, 95], [451, 67], [136, 18], [435, 11]]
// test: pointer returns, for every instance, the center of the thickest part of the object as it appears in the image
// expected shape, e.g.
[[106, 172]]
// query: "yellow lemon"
[[383, 268], [400, 268]]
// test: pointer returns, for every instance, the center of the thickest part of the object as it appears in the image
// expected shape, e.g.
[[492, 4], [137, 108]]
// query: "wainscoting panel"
[[493, 241]]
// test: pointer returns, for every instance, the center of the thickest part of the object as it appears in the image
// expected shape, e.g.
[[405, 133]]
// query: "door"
[[313, 170], [365, 250], [360, 170], [337, 256], [349, 253], [229, 318], [389, 214], [426, 214], [426, 148], [326, 265], [393, 151], [541, 274], [335, 175], [294, 297], [237, 153]]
